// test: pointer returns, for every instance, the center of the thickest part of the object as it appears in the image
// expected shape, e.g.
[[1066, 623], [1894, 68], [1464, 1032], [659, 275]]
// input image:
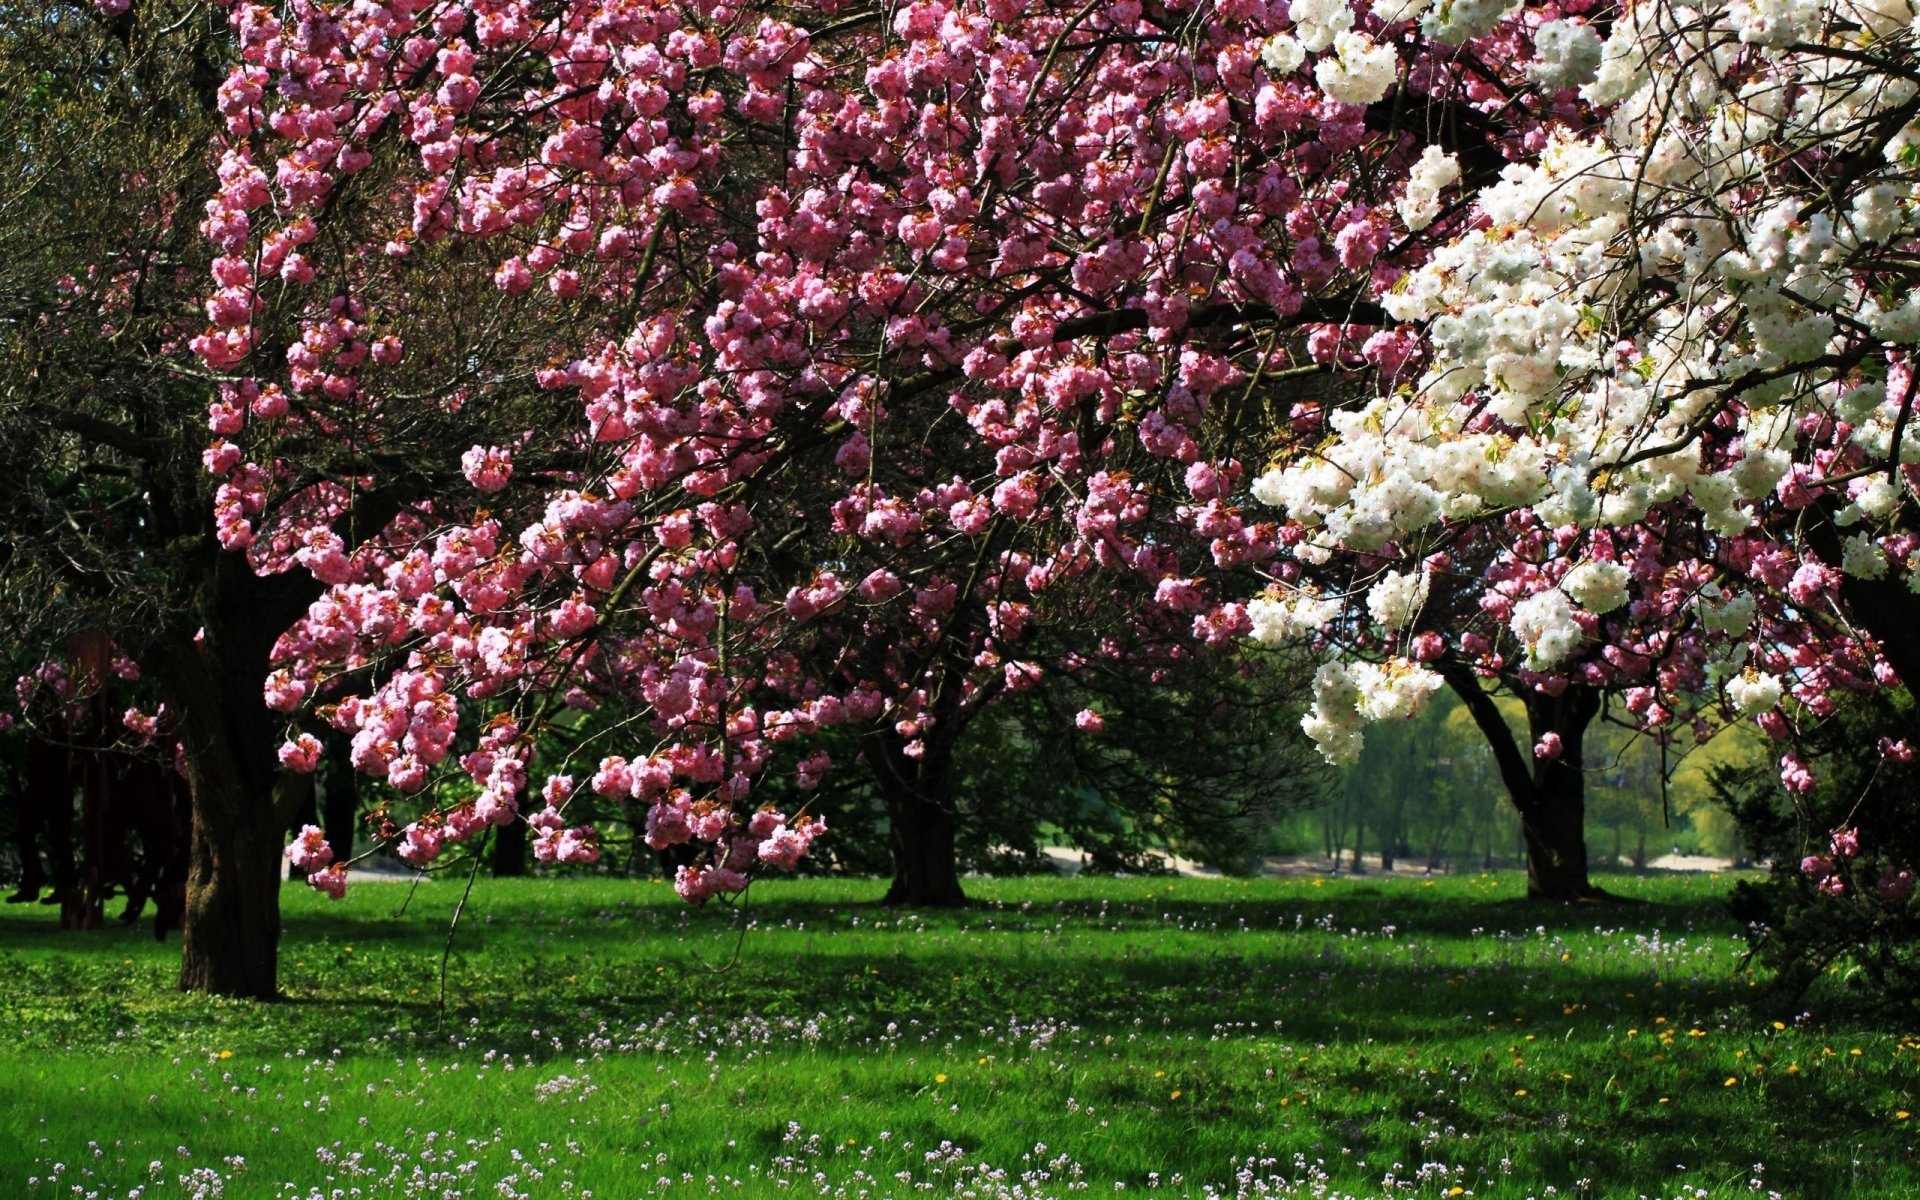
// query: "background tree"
[[1837, 896], [105, 507]]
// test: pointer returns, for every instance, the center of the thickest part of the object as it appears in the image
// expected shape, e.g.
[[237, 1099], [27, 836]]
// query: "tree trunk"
[[243, 802], [232, 943], [1548, 793], [339, 799], [1553, 819], [510, 850], [921, 820], [1556, 846]]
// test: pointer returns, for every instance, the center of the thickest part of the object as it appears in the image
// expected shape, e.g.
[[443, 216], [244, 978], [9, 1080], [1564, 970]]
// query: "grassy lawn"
[[1200, 1037]]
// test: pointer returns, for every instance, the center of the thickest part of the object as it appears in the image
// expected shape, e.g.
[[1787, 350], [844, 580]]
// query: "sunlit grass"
[[1271, 1037]]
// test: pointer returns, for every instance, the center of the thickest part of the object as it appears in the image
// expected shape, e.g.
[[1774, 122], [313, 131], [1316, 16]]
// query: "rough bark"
[[1548, 794], [921, 819], [243, 803]]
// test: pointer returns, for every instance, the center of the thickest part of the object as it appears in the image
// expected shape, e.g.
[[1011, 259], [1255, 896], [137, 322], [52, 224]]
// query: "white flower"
[[1432, 174], [1282, 54], [1862, 558], [1277, 622], [1464, 20], [1774, 22], [1545, 624], [1318, 22], [1568, 54], [1392, 12], [1334, 720], [1753, 692], [1395, 598], [1393, 691], [1598, 587], [1735, 616], [1359, 73]]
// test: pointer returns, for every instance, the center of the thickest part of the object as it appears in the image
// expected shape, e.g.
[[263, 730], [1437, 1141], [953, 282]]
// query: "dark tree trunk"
[[232, 942], [1554, 821], [921, 819], [243, 803], [339, 800], [510, 850], [1549, 794], [1883, 606]]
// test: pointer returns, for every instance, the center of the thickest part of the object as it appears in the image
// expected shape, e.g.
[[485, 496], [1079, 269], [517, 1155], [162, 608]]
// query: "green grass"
[[1063, 1035]]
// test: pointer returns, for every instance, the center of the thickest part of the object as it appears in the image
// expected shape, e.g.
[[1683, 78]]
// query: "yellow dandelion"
[[939, 1078], [1902, 1115], [1520, 1092], [224, 1054], [1174, 1095], [1664, 1100], [1732, 1080], [1779, 1024]]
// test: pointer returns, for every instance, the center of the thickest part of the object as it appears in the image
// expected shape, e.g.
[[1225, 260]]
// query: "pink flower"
[[1816, 867], [812, 769], [309, 850], [667, 823], [332, 881], [695, 884], [1090, 722], [709, 821], [579, 846], [487, 468], [614, 779], [1794, 775], [419, 846], [1846, 841], [1549, 747], [301, 754]]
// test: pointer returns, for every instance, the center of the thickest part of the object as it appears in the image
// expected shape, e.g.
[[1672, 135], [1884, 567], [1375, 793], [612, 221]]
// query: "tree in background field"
[[1838, 896], [106, 510]]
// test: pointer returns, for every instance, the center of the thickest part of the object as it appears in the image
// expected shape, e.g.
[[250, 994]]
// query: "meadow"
[[1205, 1038]]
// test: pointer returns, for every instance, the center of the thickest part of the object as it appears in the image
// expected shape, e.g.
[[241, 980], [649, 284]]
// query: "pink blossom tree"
[[834, 367]]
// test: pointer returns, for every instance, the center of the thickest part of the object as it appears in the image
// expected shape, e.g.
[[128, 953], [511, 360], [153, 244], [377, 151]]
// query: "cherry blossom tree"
[[835, 368], [1667, 368]]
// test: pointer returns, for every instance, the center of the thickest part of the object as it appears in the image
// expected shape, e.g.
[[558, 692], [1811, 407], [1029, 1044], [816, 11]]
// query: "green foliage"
[[1133, 1026], [1427, 791], [1802, 932]]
